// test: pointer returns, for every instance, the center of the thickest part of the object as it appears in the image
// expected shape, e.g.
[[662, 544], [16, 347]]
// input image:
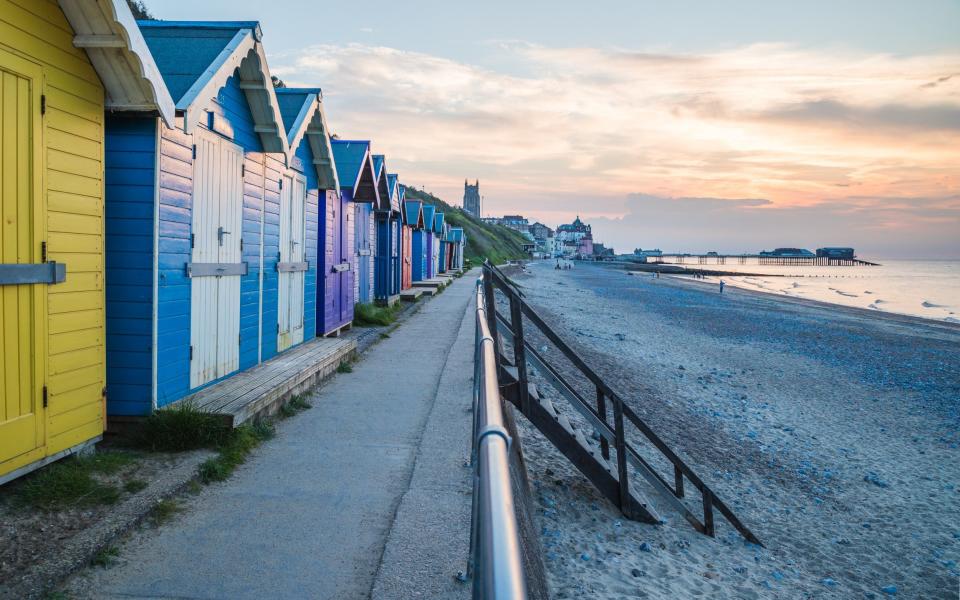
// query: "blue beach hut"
[[396, 233], [439, 237], [429, 212], [309, 216], [385, 239], [359, 194], [188, 209], [418, 249]]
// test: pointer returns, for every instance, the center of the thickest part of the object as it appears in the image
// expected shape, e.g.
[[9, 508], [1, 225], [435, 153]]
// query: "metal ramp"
[[611, 463]]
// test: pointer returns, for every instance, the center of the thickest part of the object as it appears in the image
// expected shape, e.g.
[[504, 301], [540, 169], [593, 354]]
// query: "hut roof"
[[197, 58], [303, 116]]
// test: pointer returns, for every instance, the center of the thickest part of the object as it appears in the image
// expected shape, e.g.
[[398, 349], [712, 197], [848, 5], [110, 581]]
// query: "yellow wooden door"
[[21, 306]]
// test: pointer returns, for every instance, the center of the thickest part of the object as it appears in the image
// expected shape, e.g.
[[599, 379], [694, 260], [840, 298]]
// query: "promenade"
[[364, 495]]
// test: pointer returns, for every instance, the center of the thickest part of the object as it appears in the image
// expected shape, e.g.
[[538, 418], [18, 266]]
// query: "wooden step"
[[411, 295]]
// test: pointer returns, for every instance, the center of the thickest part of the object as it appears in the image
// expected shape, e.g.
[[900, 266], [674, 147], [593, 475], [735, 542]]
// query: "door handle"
[[220, 233]]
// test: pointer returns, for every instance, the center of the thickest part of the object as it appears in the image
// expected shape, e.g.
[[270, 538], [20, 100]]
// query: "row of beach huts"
[[169, 218]]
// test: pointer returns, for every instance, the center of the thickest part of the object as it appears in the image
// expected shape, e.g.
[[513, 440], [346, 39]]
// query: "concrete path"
[[366, 494]]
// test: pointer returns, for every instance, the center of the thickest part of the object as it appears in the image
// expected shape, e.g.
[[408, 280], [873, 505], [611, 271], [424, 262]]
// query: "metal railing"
[[525, 354], [495, 561]]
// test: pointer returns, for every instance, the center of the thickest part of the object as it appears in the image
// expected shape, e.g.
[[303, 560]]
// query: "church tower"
[[471, 198]]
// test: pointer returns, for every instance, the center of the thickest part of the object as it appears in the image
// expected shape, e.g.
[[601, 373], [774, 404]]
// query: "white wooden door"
[[291, 281], [216, 232]]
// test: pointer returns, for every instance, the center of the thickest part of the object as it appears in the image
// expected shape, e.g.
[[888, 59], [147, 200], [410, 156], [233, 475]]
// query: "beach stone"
[[585, 556], [875, 479], [637, 572], [645, 547], [890, 590], [828, 582]]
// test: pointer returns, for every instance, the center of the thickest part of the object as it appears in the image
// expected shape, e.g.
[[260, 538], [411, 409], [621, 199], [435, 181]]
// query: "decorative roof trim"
[[243, 47], [312, 123], [126, 36]]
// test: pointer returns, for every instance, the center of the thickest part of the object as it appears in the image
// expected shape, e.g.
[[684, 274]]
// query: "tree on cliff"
[[140, 10]]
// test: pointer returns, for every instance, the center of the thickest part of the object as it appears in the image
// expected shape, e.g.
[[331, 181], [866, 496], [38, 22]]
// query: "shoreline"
[[832, 434], [855, 311]]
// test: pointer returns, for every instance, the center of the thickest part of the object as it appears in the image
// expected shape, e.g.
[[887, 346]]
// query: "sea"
[[922, 288]]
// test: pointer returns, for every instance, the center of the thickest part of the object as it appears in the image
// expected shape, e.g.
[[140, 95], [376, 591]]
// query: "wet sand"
[[831, 432]]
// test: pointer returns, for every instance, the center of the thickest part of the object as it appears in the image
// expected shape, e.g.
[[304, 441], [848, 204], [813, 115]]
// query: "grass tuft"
[[72, 483], [132, 486], [163, 511], [295, 405], [234, 451], [181, 428], [345, 367], [105, 557], [371, 315]]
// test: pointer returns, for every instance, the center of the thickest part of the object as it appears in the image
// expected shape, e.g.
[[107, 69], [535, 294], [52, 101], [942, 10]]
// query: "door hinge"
[[243, 170], [103, 392], [194, 152], [191, 352], [281, 184], [43, 104], [45, 397], [241, 244], [192, 239], [239, 339], [43, 251], [278, 327]]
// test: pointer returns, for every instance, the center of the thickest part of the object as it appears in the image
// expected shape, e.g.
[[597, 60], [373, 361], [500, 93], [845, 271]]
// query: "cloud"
[[556, 131], [878, 226]]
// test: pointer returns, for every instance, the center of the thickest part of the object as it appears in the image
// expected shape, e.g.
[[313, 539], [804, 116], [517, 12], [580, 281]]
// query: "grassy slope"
[[496, 242]]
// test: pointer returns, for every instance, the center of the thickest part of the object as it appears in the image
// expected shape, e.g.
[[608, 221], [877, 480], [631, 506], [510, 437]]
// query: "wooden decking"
[[262, 389], [411, 295]]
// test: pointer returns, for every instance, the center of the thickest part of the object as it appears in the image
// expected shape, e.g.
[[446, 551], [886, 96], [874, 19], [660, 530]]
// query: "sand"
[[832, 433]]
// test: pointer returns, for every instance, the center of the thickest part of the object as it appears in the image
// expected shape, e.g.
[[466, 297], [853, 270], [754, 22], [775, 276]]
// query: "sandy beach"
[[831, 432]]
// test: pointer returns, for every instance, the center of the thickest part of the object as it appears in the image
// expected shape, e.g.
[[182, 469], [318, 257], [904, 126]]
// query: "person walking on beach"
[[721, 286]]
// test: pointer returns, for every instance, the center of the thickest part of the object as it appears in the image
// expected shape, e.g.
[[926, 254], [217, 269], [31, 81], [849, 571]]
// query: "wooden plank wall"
[[73, 180]]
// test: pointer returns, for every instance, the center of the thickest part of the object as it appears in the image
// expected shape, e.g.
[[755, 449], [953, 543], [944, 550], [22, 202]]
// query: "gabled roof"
[[413, 214], [355, 169], [196, 58], [456, 234], [383, 190], [303, 116], [438, 223], [393, 184], [108, 33], [428, 211], [402, 192]]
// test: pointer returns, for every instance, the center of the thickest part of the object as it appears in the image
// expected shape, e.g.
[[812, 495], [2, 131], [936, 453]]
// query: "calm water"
[[923, 288]]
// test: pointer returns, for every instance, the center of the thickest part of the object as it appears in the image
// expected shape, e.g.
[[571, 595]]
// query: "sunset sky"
[[696, 126]]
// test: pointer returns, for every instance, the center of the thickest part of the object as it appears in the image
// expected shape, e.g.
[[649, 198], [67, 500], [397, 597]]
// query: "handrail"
[[495, 558], [615, 433]]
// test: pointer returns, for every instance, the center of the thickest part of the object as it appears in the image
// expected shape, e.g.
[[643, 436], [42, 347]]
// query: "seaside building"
[[575, 239], [471, 198], [58, 84], [306, 257], [193, 220], [516, 223]]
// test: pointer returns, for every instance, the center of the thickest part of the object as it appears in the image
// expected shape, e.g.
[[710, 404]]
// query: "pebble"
[[645, 547], [637, 572], [890, 590], [875, 479], [585, 556], [828, 582]]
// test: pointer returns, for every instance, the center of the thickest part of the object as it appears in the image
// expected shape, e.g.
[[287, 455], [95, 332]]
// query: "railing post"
[[602, 411], [677, 481], [707, 511], [491, 310], [621, 458], [519, 352]]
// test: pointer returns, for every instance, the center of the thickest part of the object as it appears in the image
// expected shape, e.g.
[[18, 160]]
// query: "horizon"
[[749, 126]]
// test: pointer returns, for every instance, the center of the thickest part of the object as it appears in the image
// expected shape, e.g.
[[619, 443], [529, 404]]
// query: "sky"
[[689, 126]]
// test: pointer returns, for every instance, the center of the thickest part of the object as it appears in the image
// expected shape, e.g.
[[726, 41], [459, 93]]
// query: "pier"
[[712, 258]]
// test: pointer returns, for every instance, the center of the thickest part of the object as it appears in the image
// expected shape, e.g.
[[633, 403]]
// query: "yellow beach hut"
[[62, 64]]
